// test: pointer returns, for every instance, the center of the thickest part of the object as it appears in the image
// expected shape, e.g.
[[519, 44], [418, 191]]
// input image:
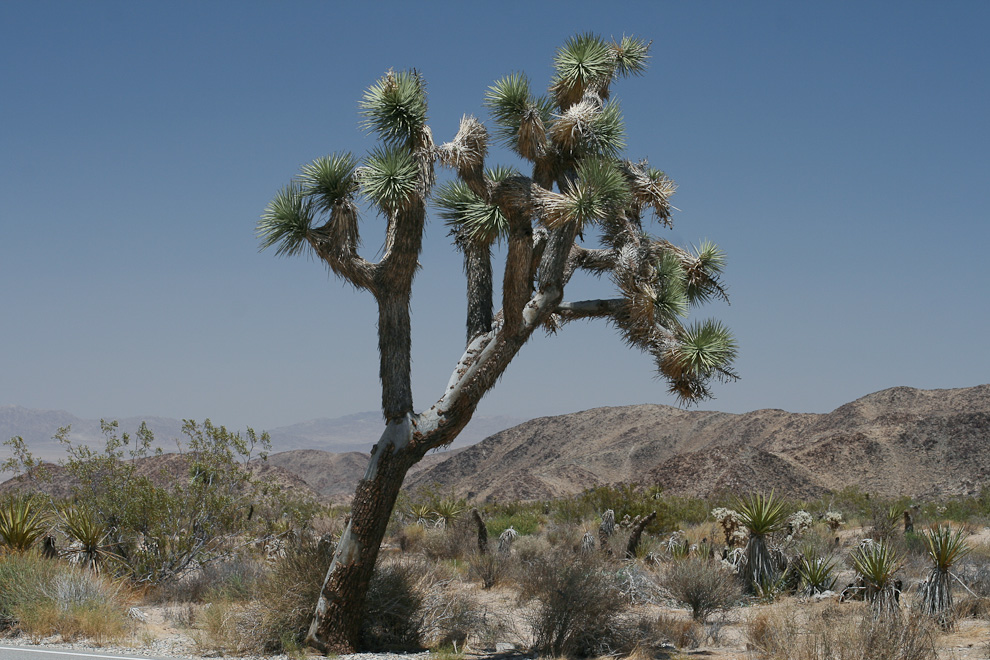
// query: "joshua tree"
[[579, 185]]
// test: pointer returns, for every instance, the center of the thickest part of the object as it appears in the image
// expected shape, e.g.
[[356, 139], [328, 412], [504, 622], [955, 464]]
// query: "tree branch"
[[571, 311]]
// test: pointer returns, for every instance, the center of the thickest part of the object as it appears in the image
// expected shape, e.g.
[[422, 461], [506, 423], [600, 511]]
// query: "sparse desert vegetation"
[[844, 576]]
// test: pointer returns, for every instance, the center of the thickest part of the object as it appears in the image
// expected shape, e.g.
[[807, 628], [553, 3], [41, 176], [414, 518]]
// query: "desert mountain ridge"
[[899, 441]]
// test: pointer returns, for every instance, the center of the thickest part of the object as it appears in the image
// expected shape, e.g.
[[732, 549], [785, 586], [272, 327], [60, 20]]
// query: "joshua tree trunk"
[[337, 625]]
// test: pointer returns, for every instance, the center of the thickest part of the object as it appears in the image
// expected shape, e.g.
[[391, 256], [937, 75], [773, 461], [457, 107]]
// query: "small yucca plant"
[[448, 510], [89, 537], [876, 563], [945, 547], [761, 515], [20, 524], [817, 575]]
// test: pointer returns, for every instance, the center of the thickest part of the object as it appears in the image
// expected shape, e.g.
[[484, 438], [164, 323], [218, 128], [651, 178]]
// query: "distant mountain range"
[[900, 441], [351, 433]]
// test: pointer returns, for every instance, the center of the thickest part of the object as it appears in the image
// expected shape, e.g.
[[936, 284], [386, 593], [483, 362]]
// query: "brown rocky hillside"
[[900, 441]]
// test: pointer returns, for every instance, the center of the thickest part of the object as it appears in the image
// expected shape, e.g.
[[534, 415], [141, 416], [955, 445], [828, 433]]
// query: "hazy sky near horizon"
[[838, 152]]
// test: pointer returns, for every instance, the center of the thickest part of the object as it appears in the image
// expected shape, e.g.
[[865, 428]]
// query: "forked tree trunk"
[[336, 628]]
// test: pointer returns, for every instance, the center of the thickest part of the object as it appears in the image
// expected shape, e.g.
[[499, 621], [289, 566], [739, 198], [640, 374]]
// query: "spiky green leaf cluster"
[[630, 56], [700, 352], [703, 273], [599, 191], [520, 117], [329, 180], [21, 524], [390, 177], [89, 536], [817, 575], [606, 134], [468, 215], [946, 546], [584, 61], [395, 108], [671, 293], [707, 346], [286, 222], [876, 562], [761, 514]]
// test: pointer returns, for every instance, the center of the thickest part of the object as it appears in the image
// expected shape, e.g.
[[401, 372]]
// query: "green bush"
[[159, 527]]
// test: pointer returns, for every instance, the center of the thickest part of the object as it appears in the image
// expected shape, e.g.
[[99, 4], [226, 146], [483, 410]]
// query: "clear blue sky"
[[839, 153]]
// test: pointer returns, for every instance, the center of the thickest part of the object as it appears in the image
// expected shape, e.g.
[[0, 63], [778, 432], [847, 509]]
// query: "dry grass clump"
[[776, 634], [454, 542], [39, 598], [682, 633], [279, 616]]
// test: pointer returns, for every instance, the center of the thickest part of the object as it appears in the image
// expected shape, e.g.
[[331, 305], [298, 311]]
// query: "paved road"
[[42, 653]]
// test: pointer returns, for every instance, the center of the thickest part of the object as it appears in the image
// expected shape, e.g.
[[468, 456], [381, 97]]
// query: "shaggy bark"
[[637, 534], [482, 532]]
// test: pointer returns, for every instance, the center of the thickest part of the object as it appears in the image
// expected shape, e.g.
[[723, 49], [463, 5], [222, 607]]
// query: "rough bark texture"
[[637, 534], [339, 611], [482, 532]]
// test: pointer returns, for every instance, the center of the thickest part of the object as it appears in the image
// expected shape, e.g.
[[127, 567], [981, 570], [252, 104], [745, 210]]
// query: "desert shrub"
[[819, 541], [280, 614], [771, 632], [454, 542], [526, 521], [701, 584], [565, 536], [448, 616], [971, 607], [392, 619], [410, 537], [235, 579], [488, 568], [578, 604], [219, 629], [976, 576], [22, 581], [624, 499], [160, 527], [887, 519], [528, 549]]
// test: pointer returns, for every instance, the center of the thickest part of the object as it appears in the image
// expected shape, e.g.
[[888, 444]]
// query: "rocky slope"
[[900, 441]]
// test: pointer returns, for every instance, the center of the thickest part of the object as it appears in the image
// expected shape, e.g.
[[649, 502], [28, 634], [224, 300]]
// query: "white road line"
[[84, 655]]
